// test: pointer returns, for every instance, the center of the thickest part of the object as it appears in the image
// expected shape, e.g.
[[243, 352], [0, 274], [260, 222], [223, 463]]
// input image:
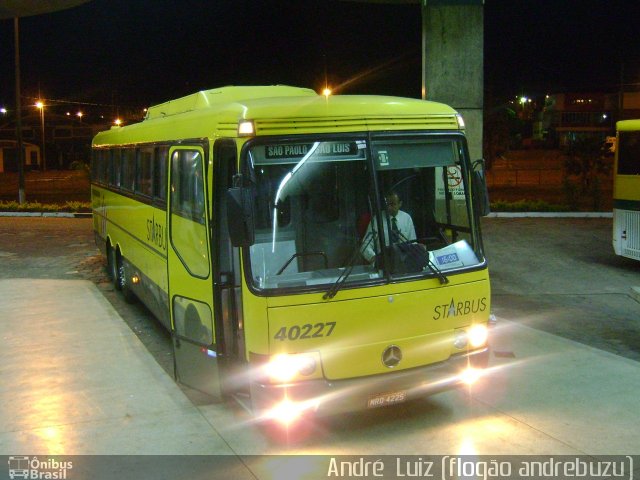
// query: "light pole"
[[15, 10], [22, 196], [40, 105]]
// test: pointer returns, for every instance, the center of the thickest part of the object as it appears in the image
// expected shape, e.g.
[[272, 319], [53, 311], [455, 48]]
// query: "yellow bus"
[[247, 220], [626, 190]]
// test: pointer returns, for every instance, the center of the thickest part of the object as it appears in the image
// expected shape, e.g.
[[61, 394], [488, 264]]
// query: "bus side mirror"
[[480, 191], [240, 218]]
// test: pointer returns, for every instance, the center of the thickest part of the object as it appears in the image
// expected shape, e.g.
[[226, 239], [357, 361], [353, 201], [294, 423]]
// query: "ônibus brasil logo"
[[34, 468]]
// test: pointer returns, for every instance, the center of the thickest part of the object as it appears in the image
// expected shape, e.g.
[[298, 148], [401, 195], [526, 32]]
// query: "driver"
[[398, 224]]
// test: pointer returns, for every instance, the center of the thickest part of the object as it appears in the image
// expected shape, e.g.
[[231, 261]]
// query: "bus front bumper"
[[287, 402]]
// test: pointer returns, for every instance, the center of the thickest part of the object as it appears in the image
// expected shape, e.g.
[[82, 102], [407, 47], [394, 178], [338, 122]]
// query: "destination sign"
[[295, 150]]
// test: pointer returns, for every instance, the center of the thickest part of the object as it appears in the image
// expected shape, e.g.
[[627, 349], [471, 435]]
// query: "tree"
[[499, 126], [585, 160]]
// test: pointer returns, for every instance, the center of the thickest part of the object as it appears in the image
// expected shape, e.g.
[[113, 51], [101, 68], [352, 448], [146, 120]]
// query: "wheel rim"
[[122, 279]]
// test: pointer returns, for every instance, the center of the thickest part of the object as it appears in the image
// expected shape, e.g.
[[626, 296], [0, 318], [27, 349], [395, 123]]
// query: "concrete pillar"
[[453, 43]]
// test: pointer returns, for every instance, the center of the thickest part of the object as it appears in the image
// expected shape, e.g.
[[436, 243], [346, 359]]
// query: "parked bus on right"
[[626, 190]]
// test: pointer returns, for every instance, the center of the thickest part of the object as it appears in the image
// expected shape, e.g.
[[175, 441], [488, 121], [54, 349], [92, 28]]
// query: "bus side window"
[[127, 179], [99, 166], [144, 165], [187, 186], [114, 167], [95, 165], [160, 175], [187, 222]]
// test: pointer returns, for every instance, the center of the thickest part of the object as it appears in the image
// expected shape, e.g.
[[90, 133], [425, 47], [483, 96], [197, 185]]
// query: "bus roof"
[[279, 110], [628, 125], [217, 97]]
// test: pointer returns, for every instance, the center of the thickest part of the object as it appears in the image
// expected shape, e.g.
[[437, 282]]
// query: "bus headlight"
[[285, 367], [473, 337], [478, 335]]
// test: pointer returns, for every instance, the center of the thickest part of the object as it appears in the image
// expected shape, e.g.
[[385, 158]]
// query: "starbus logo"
[[34, 468], [156, 233], [464, 307]]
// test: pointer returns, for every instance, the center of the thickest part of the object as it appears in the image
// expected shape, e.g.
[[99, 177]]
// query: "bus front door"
[[190, 273], [227, 275]]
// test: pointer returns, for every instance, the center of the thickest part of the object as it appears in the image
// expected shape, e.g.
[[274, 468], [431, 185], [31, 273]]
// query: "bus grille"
[[631, 224]]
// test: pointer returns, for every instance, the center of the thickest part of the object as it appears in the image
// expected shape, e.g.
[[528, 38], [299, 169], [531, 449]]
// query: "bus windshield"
[[629, 153], [381, 208]]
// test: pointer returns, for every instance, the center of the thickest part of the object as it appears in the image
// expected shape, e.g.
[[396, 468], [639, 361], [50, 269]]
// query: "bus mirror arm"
[[240, 216], [480, 190]]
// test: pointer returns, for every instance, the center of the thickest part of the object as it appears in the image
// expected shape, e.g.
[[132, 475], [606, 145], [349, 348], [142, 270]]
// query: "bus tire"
[[117, 278], [112, 266], [125, 287]]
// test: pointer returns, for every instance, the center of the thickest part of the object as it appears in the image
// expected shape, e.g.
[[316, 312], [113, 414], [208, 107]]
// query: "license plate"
[[385, 399]]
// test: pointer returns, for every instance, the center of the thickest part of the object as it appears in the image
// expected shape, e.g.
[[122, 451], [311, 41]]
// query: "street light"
[[40, 105]]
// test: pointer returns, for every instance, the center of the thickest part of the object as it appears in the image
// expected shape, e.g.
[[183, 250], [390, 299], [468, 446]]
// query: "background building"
[[567, 117], [66, 140], [9, 157]]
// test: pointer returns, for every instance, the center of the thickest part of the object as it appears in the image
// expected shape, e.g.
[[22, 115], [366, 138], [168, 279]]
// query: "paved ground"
[[64, 248], [86, 385], [561, 276]]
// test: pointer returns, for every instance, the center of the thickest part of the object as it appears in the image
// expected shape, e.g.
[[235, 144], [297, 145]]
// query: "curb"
[[635, 293], [550, 215], [46, 214]]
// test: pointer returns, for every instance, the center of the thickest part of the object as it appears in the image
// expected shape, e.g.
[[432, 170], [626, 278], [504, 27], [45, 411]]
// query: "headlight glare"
[[478, 335], [285, 367]]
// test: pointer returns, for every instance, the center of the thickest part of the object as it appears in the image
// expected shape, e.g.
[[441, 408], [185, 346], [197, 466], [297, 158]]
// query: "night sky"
[[140, 52]]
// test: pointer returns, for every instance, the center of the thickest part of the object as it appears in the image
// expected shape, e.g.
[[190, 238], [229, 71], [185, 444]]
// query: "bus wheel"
[[123, 281], [112, 266]]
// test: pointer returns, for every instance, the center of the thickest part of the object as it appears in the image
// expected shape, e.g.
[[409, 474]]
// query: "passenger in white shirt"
[[396, 221]]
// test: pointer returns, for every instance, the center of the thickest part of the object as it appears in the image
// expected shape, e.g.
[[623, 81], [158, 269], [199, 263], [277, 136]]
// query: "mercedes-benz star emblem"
[[391, 356]]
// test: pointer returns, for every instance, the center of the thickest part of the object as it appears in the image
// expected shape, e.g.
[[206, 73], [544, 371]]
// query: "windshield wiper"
[[432, 266], [420, 256], [350, 264]]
